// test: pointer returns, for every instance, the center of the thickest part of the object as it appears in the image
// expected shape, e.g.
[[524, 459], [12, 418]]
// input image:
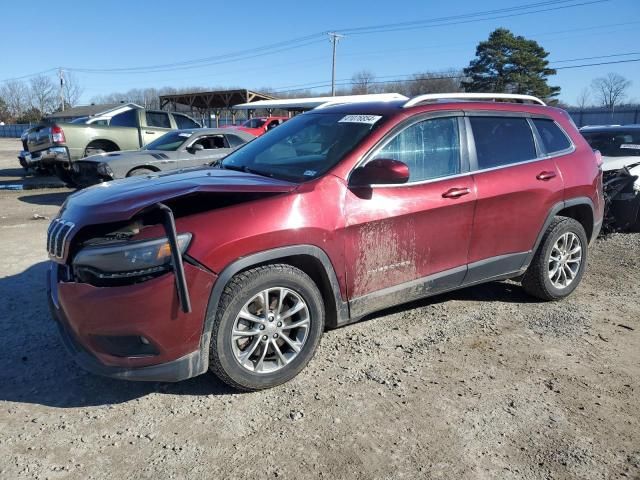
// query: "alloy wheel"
[[565, 260], [270, 330]]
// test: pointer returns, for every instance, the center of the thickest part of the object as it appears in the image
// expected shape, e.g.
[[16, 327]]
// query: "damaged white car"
[[620, 149]]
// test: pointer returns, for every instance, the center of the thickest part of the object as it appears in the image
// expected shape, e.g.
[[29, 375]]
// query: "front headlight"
[[127, 260], [104, 169]]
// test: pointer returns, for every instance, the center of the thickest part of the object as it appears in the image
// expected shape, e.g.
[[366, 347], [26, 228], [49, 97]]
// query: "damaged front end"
[[622, 199]]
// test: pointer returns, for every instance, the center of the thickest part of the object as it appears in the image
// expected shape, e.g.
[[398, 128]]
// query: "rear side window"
[[158, 119], [502, 141], [234, 140], [431, 149], [184, 122], [125, 119], [553, 138]]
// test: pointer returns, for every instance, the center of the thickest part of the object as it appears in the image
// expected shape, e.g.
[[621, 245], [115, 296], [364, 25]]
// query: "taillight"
[[57, 135]]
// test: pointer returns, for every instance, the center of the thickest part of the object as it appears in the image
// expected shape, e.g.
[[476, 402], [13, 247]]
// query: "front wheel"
[[560, 261], [267, 327]]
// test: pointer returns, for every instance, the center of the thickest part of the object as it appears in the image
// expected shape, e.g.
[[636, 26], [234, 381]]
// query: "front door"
[[403, 233]]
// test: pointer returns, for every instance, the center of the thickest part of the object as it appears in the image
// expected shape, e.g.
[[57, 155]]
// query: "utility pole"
[[334, 38], [61, 75]]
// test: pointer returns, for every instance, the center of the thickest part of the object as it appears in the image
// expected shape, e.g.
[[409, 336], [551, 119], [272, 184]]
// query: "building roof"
[[217, 100]]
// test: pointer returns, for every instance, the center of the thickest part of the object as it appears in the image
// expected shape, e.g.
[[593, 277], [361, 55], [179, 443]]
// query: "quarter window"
[[158, 119], [431, 149], [553, 138], [234, 140], [502, 141]]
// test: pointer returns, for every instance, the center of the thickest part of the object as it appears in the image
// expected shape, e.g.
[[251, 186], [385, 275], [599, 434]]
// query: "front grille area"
[[85, 168], [57, 236]]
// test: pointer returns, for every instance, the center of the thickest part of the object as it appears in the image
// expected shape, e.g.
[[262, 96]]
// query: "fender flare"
[[267, 256], [551, 215]]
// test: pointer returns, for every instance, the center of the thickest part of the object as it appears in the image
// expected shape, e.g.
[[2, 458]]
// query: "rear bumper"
[[83, 313], [27, 161], [50, 156]]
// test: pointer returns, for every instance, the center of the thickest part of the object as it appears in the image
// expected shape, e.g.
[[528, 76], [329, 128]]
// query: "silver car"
[[175, 149]]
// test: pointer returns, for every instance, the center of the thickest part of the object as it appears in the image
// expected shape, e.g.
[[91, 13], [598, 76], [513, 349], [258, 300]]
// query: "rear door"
[[396, 234], [157, 124], [517, 185]]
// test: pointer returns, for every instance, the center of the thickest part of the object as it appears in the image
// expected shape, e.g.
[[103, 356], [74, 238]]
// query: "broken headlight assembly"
[[123, 263]]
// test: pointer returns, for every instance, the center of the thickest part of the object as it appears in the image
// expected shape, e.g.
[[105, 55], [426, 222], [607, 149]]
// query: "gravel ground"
[[481, 383]]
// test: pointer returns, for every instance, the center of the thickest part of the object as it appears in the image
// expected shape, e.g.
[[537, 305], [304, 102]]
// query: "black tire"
[[240, 290], [138, 172], [536, 281]]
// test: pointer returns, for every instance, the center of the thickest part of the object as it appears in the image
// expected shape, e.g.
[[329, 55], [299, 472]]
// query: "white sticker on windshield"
[[632, 146], [185, 135], [369, 119], [309, 173]]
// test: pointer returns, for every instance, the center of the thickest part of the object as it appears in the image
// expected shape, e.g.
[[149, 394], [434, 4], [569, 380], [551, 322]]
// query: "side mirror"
[[381, 171], [196, 147]]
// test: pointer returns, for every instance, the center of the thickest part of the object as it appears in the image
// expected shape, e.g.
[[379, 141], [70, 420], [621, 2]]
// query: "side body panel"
[[398, 234]]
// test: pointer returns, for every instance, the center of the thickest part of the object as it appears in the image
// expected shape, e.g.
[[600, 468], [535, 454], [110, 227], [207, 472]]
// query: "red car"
[[338, 213], [260, 125]]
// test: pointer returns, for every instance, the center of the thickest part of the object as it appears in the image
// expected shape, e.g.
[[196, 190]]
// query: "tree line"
[[25, 101], [503, 63]]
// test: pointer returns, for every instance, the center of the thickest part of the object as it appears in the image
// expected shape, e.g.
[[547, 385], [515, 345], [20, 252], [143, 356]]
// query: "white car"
[[620, 149]]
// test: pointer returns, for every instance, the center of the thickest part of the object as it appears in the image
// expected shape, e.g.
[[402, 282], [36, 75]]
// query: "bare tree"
[[16, 95], [611, 90], [72, 89], [43, 94], [362, 82], [434, 82], [584, 98]]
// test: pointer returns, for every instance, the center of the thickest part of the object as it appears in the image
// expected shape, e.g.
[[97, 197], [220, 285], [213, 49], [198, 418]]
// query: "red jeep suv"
[[339, 212]]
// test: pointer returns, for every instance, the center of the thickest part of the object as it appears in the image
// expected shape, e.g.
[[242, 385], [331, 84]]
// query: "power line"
[[296, 43], [418, 78]]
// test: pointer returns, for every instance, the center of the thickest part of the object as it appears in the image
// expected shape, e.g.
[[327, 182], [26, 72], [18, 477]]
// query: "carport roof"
[[218, 100]]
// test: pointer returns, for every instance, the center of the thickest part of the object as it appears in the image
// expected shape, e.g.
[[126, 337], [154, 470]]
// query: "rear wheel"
[[267, 327], [558, 265]]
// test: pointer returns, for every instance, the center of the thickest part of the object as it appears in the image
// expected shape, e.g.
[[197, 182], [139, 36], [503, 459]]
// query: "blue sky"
[[122, 34]]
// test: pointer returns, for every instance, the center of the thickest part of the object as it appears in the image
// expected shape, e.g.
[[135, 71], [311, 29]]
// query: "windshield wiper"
[[243, 168]]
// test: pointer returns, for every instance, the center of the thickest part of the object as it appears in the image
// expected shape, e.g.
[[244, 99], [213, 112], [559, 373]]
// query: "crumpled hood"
[[121, 199]]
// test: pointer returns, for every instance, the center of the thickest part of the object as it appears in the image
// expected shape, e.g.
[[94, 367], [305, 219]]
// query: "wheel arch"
[[113, 146], [139, 167], [310, 259], [580, 209]]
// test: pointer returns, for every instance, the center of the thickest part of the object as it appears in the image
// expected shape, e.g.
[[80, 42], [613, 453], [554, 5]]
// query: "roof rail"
[[431, 97]]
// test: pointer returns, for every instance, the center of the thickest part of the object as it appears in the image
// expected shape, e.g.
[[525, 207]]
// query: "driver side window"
[[430, 148]]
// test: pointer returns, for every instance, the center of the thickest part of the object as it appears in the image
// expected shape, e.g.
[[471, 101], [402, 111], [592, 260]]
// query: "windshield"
[[254, 123], [169, 142], [303, 148], [614, 143], [80, 120]]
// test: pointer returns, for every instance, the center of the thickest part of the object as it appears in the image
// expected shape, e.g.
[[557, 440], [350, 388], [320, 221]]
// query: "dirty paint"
[[384, 257]]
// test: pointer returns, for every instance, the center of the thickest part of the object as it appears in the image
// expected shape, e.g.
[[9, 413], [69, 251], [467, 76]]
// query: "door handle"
[[544, 176], [149, 133], [456, 192]]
